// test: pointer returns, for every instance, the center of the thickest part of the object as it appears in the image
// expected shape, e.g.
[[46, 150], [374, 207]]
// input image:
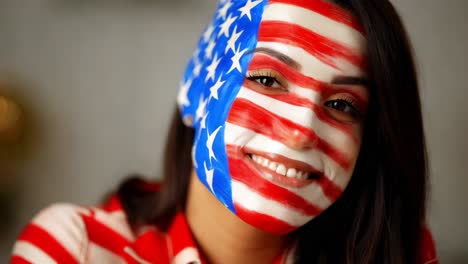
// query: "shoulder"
[[67, 233], [55, 233]]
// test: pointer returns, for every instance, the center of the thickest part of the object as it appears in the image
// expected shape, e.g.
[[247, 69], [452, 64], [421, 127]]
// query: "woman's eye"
[[266, 81], [345, 110], [341, 105]]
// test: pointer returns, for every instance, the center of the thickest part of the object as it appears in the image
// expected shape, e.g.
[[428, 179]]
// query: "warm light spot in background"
[[10, 119]]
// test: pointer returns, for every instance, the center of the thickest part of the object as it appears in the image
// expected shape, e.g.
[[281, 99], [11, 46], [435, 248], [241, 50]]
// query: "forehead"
[[318, 16], [326, 31]]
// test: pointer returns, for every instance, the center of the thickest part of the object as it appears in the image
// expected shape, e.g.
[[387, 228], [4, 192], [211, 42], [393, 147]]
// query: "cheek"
[[338, 174], [345, 146]]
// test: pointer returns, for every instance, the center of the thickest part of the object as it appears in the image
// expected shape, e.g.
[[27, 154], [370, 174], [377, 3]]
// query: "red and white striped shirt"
[[66, 233]]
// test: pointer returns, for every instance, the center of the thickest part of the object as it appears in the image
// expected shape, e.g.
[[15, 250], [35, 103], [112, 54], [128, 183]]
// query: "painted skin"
[[292, 131]]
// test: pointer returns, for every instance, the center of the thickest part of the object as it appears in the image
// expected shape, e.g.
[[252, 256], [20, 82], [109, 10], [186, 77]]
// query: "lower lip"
[[277, 178]]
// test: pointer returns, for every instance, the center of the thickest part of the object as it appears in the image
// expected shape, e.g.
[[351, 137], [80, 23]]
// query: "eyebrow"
[[350, 80], [280, 56], [339, 80]]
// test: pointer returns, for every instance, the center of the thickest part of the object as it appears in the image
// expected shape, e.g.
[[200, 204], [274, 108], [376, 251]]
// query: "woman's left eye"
[[343, 110]]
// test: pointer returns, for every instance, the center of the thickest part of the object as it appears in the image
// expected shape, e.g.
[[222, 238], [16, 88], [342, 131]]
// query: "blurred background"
[[93, 84]]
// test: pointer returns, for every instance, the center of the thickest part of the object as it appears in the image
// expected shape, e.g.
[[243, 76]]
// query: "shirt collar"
[[177, 245]]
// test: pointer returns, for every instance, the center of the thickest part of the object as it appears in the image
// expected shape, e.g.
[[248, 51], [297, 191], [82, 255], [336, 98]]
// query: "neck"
[[222, 236]]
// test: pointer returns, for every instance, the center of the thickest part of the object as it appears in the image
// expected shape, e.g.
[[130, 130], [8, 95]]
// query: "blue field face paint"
[[211, 82]]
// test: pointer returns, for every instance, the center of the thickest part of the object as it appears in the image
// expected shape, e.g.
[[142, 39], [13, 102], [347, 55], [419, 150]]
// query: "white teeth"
[[279, 168], [273, 166], [291, 173], [301, 175], [260, 160]]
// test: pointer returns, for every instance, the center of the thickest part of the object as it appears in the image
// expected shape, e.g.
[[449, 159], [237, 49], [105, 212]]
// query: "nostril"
[[303, 139]]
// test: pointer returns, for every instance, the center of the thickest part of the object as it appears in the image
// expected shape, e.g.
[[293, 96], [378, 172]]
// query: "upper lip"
[[289, 163]]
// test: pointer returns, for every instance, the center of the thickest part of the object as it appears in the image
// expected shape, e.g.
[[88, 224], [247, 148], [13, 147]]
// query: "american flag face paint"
[[276, 95]]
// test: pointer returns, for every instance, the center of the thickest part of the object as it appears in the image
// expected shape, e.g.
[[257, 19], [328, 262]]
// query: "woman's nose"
[[302, 139]]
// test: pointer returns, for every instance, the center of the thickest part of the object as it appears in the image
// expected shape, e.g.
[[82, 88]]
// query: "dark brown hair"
[[379, 217]]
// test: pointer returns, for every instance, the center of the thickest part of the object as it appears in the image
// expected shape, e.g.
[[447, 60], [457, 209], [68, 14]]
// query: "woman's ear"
[[187, 106], [187, 120]]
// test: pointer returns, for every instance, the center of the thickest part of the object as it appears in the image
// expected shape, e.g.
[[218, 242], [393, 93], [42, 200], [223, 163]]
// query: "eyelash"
[[257, 76], [349, 102]]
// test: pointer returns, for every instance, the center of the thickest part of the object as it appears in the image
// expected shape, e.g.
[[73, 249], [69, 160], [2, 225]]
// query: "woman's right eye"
[[267, 79]]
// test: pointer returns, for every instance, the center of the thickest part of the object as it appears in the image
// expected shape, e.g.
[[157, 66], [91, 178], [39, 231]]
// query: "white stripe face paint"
[[317, 23], [269, 207], [311, 66]]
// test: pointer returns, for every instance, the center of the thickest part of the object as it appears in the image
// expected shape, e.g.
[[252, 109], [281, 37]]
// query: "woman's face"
[[287, 134]]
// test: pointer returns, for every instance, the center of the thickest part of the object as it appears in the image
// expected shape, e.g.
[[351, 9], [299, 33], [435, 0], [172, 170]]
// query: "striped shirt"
[[66, 233]]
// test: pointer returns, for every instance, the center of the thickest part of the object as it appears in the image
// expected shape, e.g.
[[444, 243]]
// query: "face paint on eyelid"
[[258, 153], [343, 109], [359, 95], [293, 76], [272, 76]]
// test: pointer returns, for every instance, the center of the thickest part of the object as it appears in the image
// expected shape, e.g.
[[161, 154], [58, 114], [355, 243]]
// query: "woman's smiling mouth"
[[280, 168], [283, 171]]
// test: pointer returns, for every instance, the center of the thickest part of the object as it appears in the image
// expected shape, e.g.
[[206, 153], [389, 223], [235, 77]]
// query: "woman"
[[295, 147]]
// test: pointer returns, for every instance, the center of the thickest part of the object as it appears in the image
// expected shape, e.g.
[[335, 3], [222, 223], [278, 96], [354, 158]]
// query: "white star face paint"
[[285, 124]]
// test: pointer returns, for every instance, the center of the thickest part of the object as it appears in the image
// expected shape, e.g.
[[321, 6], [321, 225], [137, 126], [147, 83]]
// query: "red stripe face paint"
[[293, 132], [263, 221], [327, 10], [325, 50]]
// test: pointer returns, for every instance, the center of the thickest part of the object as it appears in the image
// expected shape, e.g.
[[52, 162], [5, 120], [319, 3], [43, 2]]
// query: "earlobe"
[[187, 120]]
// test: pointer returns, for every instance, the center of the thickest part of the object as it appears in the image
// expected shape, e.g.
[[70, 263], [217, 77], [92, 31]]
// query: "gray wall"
[[439, 31], [102, 77]]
